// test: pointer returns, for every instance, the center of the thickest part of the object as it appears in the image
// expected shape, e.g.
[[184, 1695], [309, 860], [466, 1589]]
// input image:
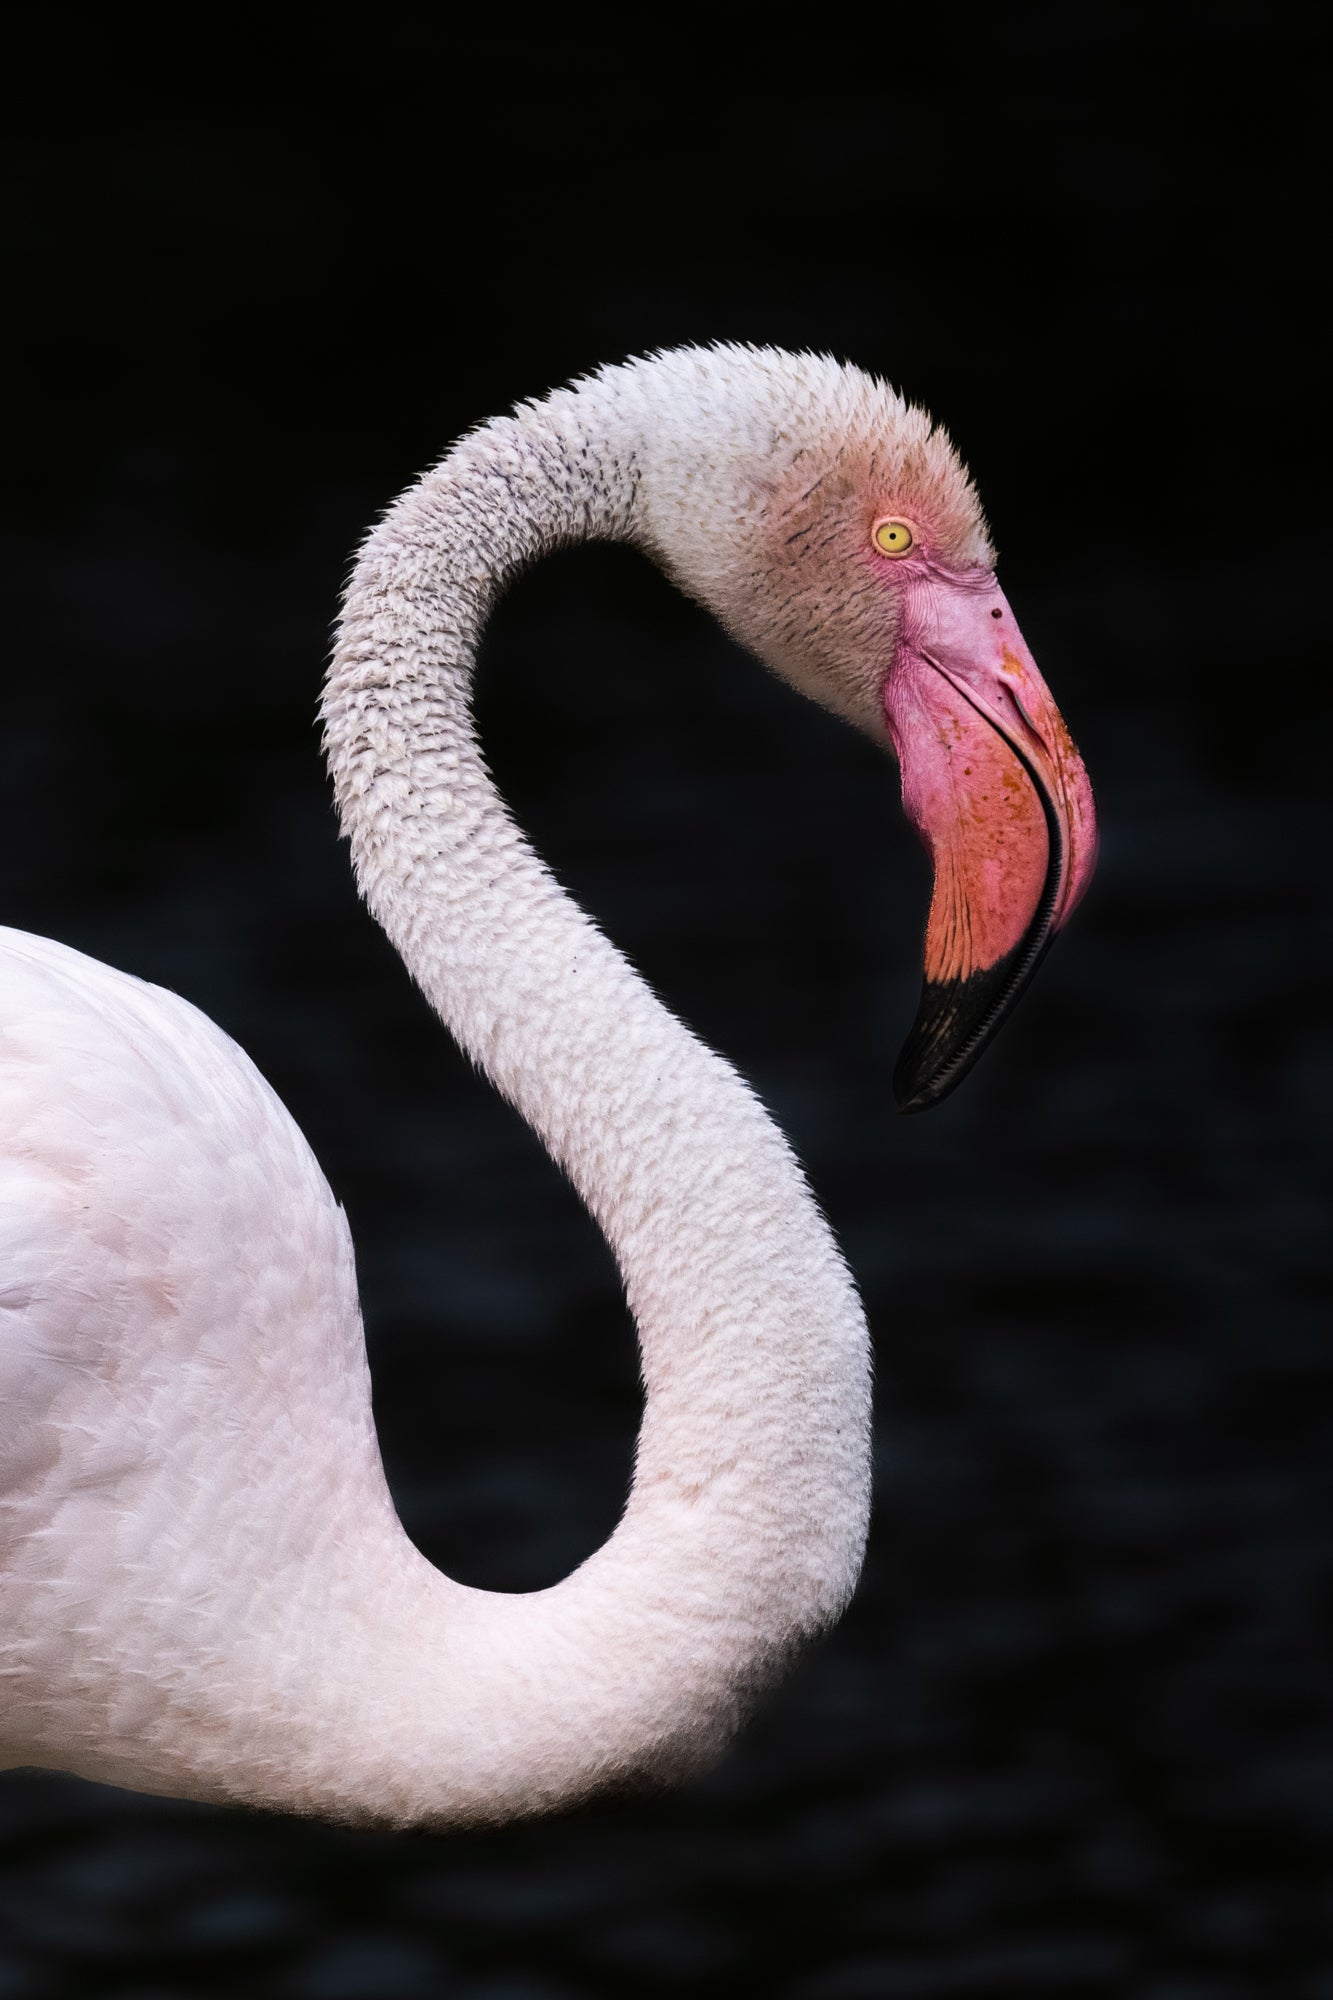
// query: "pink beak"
[[997, 791]]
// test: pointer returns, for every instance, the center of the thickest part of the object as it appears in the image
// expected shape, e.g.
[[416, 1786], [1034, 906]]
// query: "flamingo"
[[205, 1590]]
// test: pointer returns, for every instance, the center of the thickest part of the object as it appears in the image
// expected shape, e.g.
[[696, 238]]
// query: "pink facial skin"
[[989, 773]]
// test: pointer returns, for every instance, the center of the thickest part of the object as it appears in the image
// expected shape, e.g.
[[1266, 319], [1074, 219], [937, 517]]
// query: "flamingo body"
[[180, 1330]]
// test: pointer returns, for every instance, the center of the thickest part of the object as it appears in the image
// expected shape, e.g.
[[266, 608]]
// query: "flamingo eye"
[[893, 538]]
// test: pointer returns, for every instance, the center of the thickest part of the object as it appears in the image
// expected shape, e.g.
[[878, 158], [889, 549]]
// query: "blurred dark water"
[[1074, 1735]]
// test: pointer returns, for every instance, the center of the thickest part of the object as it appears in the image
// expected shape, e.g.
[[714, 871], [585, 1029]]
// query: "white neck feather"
[[745, 1526]]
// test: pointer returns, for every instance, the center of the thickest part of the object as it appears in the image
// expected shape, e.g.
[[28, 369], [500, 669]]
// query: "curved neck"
[[746, 1522]]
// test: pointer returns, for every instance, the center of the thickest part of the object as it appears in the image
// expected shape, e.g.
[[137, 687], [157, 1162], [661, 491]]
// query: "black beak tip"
[[955, 1024], [917, 1095], [927, 1068], [920, 1078], [921, 1084]]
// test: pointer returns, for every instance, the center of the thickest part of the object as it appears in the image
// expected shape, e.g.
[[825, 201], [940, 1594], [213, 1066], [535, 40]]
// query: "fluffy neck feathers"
[[746, 1522]]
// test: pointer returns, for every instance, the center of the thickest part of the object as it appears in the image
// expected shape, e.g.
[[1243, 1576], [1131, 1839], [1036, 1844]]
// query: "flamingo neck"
[[744, 1529]]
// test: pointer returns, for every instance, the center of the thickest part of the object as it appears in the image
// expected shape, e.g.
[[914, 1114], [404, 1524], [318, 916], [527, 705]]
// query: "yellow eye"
[[895, 538]]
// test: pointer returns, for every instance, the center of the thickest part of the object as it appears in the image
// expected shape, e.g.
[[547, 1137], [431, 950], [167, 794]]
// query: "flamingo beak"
[[993, 784]]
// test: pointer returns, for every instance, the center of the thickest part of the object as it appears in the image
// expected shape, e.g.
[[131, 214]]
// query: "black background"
[[1073, 1737]]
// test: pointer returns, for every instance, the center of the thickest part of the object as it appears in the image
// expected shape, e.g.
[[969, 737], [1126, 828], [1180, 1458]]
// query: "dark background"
[[1073, 1737]]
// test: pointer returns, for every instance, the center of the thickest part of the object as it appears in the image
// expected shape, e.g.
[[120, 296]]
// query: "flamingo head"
[[833, 530]]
